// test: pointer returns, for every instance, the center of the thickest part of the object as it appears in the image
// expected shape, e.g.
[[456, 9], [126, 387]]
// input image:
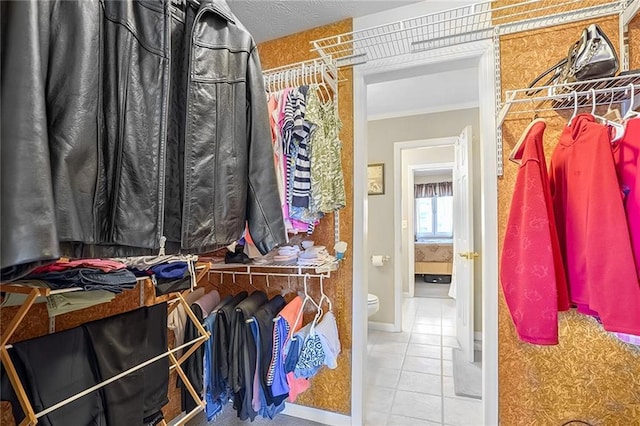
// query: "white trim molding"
[[484, 52], [316, 415], [382, 326], [424, 111]]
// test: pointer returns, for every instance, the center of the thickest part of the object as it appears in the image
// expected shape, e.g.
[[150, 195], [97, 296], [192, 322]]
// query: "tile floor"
[[410, 374]]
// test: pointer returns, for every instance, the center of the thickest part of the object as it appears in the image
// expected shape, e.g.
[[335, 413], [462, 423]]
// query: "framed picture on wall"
[[375, 178]]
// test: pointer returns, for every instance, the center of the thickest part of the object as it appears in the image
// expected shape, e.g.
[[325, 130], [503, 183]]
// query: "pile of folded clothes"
[[313, 255], [88, 274], [287, 254]]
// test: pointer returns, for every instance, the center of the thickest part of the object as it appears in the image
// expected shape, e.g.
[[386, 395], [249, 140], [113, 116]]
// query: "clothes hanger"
[[514, 155], [618, 128], [630, 112], [323, 296], [613, 114], [307, 298], [323, 86], [575, 107]]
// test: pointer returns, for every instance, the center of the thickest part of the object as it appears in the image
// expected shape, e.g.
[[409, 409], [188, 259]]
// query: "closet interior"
[[280, 302], [238, 326]]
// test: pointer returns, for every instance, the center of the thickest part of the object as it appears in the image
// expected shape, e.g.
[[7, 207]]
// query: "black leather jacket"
[[113, 137]]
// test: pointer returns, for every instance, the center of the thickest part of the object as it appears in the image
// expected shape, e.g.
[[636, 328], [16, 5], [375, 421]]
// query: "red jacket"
[[592, 226], [627, 157], [531, 268]]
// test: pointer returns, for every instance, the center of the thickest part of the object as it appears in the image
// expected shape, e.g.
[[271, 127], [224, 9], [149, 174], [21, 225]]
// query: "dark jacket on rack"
[[221, 344], [86, 111], [242, 354]]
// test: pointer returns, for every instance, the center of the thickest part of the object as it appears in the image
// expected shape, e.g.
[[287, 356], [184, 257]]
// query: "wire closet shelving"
[[465, 24], [322, 71], [412, 39], [577, 95]]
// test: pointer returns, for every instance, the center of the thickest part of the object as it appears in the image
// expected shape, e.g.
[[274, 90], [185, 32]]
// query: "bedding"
[[433, 257]]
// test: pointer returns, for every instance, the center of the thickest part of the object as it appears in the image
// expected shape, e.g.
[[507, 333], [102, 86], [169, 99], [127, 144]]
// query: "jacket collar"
[[220, 7]]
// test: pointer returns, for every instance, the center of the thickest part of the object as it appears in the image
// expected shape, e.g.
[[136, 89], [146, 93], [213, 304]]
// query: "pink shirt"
[[531, 269], [592, 226]]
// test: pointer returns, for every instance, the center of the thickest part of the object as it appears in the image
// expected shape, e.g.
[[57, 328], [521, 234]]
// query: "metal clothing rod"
[[117, 377], [316, 71], [607, 91], [271, 274]]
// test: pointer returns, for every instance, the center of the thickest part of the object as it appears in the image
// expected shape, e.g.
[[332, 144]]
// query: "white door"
[[463, 242]]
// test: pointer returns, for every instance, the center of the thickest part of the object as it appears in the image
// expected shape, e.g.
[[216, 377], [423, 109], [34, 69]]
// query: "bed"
[[433, 257]]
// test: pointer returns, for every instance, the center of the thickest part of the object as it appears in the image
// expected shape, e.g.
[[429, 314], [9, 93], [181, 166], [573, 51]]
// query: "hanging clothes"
[[327, 178], [327, 331], [626, 154], [55, 367], [264, 320], [531, 269], [282, 332], [59, 365], [221, 343], [242, 355], [214, 403], [119, 346], [177, 319], [592, 227], [192, 366]]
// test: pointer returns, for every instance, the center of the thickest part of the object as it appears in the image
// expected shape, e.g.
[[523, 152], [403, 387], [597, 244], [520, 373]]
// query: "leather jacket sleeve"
[[27, 211], [264, 213]]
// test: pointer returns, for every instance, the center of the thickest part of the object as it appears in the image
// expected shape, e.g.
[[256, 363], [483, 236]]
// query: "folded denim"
[[90, 279]]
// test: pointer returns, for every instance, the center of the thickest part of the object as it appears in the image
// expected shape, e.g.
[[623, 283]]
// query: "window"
[[434, 217]]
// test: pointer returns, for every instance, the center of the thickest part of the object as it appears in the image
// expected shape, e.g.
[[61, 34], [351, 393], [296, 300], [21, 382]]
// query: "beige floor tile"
[[375, 418], [426, 329], [385, 377], [395, 420], [422, 365], [418, 405], [425, 351], [462, 412], [378, 359], [425, 339], [379, 399], [419, 382]]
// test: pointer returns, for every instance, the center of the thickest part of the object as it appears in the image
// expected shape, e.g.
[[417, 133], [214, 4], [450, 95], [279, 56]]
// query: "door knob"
[[469, 255]]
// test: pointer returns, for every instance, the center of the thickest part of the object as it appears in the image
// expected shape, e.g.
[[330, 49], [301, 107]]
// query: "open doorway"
[[429, 194], [428, 351]]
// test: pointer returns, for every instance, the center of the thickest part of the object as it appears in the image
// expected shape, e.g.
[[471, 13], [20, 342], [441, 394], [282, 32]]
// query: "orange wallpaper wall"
[[590, 375]]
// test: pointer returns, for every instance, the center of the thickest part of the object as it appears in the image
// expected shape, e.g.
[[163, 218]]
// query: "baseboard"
[[315, 415], [382, 326]]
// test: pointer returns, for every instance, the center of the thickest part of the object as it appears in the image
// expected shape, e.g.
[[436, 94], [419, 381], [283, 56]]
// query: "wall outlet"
[[405, 224]]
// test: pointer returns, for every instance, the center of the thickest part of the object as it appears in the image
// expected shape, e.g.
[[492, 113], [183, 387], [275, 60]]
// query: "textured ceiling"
[[271, 19]]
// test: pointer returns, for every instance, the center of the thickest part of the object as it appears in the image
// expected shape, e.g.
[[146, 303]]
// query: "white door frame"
[[411, 225], [484, 50], [398, 147]]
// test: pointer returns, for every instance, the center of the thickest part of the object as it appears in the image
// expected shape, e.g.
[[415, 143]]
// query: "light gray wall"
[[382, 135]]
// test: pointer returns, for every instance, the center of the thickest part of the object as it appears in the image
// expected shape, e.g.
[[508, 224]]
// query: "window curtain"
[[436, 189]]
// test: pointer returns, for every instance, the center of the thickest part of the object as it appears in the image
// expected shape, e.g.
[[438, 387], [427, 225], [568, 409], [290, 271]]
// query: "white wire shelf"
[[461, 25], [606, 91], [276, 269]]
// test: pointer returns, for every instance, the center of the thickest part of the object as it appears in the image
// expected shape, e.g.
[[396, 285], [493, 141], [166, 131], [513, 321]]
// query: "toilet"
[[373, 304]]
